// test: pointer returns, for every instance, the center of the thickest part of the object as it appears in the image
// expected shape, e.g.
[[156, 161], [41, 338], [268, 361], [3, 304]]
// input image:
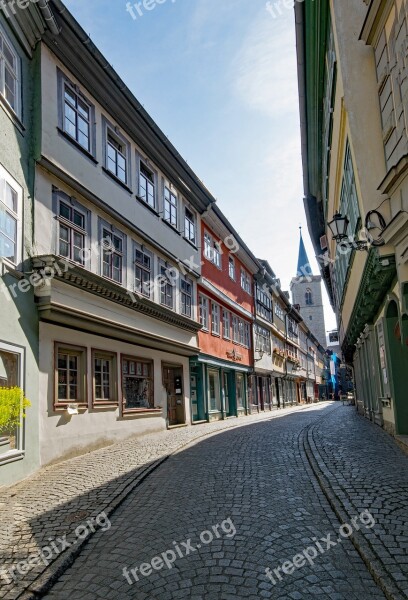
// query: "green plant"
[[13, 404]]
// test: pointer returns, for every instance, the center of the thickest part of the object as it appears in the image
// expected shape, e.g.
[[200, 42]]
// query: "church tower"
[[306, 291]]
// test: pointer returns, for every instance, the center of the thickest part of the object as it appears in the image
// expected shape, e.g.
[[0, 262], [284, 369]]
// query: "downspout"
[[301, 71], [49, 17]]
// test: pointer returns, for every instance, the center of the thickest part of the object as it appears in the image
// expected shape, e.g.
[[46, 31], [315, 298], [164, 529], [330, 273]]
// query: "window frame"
[[168, 285], [145, 163], [82, 353], [18, 216], [140, 360], [113, 357], [212, 250], [20, 351], [62, 81], [147, 253], [173, 194], [109, 129], [112, 230], [246, 284], [188, 224], [204, 310], [17, 75], [232, 272], [215, 319], [73, 204], [226, 324], [183, 293]]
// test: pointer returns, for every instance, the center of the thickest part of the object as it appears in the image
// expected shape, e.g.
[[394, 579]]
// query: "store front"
[[219, 389]]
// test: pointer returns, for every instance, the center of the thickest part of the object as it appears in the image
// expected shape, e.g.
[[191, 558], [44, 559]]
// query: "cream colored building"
[[353, 83]]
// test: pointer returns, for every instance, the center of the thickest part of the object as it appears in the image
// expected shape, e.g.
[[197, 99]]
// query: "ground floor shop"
[[219, 389]]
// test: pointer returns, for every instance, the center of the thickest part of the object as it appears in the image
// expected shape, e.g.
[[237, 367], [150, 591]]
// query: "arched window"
[[309, 297]]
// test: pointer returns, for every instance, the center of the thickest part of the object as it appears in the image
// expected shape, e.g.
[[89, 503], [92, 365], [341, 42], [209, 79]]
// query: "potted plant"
[[13, 404]]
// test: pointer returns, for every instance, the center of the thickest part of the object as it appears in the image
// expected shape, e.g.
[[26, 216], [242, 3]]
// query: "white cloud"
[[264, 71]]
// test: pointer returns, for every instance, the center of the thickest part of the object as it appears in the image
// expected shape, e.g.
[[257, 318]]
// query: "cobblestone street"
[[259, 478], [275, 488]]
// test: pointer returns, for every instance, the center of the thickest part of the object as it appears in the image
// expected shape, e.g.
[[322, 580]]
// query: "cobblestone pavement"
[[256, 484], [361, 467], [52, 503]]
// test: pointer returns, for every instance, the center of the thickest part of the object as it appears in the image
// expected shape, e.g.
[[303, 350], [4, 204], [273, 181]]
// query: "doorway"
[[173, 384], [397, 337]]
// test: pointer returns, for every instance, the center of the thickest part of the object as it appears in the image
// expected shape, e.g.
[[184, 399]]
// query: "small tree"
[[13, 404]]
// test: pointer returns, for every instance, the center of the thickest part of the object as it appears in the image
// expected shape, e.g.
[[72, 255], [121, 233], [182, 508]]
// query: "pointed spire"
[[303, 267]]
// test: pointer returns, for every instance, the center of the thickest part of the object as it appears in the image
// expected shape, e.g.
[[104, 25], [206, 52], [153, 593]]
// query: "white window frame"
[[145, 290], [226, 324], [215, 319], [165, 283], [235, 329], [113, 232], [231, 268], [212, 250], [143, 164], [190, 226], [7, 180], [183, 293], [17, 453], [111, 131], [16, 74], [204, 314], [169, 204], [245, 281], [73, 228]]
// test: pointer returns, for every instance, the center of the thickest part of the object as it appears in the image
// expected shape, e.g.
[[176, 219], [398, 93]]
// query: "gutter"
[[49, 17]]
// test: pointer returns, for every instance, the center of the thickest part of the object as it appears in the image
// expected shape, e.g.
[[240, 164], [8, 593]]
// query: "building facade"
[[220, 373], [353, 103], [19, 58]]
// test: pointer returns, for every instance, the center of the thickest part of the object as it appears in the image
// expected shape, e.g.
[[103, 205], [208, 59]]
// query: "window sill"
[[217, 335], [172, 227], [113, 404], [144, 203], [13, 116], [190, 242], [10, 268], [117, 180], [72, 141], [63, 407]]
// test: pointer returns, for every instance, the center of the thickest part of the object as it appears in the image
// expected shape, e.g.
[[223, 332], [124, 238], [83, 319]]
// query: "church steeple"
[[303, 267]]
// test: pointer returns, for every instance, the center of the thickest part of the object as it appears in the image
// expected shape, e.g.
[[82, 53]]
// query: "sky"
[[220, 79]]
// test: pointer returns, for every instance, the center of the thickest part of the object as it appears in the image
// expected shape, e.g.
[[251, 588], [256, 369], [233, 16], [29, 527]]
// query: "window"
[[212, 250], [226, 319], [104, 377], [147, 188], [309, 297], [189, 226], [186, 293], [10, 220], [203, 304], [170, 207], [71, 231], [143, 271], [247, 332], [240, 391], [215, 319], [166, 287], [70, 375], [279, 311], [137, 384], [241, 332], [263, 304], [245, 281], [12, 372], [231, 268], [235, 329], [262, 340], [112, 255], [9, 73], [77, 117], [116, 157]]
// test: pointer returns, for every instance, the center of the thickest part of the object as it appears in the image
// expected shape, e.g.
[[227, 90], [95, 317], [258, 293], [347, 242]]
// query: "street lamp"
[[339, 227]]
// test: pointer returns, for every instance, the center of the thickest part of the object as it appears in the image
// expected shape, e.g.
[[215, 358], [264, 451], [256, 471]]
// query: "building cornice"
[[85, 280]]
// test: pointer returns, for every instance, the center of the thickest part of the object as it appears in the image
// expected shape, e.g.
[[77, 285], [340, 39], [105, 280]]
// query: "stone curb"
[[46, 580], [359, 541]]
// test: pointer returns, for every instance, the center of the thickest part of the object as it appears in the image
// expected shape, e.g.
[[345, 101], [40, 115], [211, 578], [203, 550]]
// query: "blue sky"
[[220, 80]]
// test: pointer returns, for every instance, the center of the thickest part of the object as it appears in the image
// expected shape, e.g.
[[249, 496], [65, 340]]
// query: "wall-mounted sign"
[[235, 356]]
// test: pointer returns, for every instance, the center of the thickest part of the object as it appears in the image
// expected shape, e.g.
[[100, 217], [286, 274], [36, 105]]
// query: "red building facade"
[[219, 375]]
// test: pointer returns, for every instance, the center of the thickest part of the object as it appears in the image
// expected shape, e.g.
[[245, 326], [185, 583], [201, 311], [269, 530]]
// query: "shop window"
[[137, 384]]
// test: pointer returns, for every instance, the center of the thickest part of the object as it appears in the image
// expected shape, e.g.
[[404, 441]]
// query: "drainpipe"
[[49, 17]]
